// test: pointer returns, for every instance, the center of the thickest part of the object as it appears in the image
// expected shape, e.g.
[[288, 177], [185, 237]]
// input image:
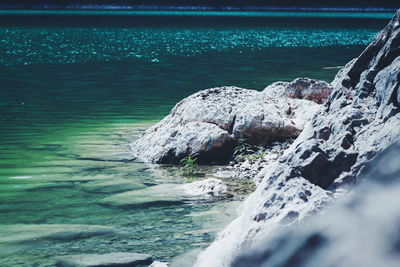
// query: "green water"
[[74, 97]]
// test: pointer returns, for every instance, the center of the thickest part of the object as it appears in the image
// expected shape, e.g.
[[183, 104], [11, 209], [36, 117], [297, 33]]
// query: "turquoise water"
[[73, 98]]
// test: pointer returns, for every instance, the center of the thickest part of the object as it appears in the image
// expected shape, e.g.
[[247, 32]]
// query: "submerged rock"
[[116, 259], [210, 123], [155, 195], [62, 232], [112, 186], [360, 119], [164, 194]]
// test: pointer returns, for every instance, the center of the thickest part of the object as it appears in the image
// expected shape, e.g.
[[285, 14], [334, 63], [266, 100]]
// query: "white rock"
[[206, 187]]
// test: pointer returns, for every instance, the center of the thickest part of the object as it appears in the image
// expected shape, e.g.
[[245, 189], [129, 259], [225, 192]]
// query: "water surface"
[[73, 98]]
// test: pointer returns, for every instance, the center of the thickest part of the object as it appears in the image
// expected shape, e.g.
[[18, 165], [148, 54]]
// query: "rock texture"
[[248, 166], [210, 122], [206, 187], [361, 230], [360, 119], [117, 259], [301, 88]]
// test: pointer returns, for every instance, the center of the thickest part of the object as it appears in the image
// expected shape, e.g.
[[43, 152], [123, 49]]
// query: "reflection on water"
[[72, 99]]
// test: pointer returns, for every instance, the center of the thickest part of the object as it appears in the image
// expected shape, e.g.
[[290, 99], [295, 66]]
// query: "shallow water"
[[73, 98]]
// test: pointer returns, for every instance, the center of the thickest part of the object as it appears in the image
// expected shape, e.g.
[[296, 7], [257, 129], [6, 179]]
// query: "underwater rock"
[[360, 119], [164, 194], [116, 259], [210, 123], [213, 220], [112, 186], [63, 232]]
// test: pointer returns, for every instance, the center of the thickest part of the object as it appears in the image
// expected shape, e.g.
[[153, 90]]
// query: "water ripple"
[[26, 46]]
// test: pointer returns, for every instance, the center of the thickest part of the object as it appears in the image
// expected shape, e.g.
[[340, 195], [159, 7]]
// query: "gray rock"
[[210, 122], [117, 259], [361, 230], [301, 88], [360, 119]]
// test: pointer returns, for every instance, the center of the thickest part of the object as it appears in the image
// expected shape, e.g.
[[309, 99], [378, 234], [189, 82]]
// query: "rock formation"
[[361, 230], [360, 119], [209, 123]]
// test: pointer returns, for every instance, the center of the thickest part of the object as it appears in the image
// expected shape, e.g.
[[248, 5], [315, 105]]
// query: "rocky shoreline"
[[315, 141]]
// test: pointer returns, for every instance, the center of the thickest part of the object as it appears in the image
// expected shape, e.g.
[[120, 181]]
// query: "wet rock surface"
[[116, 259], [209, 124], [360, 119]]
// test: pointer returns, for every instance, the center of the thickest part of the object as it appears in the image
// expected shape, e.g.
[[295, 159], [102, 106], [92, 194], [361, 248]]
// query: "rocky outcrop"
[[360, 119], [209, 123], [361, 230]]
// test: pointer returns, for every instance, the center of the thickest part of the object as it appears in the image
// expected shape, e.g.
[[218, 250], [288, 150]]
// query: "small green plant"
[[189, 165], [252, 158], [249, 152], [243, 148]]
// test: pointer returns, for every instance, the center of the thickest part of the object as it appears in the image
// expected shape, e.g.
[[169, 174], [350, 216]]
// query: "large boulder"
[[210, 123], [360, 119]]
